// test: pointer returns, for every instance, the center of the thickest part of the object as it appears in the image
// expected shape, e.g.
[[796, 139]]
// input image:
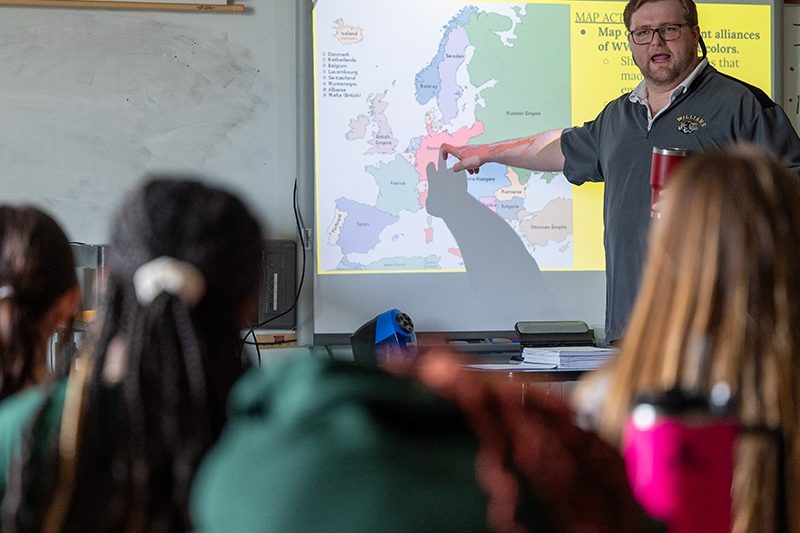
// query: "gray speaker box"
[[279, 284]]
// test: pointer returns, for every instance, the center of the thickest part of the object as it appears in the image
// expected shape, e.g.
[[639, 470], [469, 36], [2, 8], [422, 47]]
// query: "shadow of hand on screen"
[[499, 267]]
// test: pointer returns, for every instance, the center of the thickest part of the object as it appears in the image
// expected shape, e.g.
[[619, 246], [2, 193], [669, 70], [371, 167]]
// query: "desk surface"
[[497, 360], [506, 363], [519, 371]]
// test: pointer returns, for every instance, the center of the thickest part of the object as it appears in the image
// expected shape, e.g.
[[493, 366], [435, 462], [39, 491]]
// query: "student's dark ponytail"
[[36, 268]]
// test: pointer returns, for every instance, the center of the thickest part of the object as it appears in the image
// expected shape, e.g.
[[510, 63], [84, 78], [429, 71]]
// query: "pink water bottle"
[[678, 452], [663, 163]]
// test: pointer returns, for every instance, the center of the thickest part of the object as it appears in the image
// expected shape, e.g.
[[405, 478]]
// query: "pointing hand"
[[470, 157]]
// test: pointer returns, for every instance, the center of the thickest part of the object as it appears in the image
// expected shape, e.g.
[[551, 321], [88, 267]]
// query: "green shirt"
[[16, 415], [316, 445]]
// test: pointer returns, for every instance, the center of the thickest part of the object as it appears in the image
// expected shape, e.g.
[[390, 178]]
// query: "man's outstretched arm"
[[540, 152]]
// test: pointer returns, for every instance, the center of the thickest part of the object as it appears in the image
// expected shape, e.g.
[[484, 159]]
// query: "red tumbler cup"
[[664, 162]]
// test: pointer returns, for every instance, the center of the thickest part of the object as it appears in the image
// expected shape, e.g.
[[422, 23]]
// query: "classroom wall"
[[791, 63], [90, 101]]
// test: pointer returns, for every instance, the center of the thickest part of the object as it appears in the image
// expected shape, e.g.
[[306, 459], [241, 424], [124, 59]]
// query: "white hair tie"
[[6, 291], [166, 274]]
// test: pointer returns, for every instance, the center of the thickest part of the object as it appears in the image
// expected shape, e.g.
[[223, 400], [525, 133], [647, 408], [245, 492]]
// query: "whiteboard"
[[791, 63], [90, 101]]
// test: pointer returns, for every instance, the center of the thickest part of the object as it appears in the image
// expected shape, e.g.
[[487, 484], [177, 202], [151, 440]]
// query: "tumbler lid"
[[677, 401], [680, 152], [674, 401]]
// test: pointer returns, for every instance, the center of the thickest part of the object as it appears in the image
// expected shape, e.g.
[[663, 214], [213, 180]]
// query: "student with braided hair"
[[115, 447]]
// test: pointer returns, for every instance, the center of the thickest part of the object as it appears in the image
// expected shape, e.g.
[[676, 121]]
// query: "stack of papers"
[[569, 357]]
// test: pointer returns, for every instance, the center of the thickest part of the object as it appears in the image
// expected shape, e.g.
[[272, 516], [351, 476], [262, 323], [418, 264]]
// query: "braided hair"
[[532, 460], [36, 269], [159, 373]]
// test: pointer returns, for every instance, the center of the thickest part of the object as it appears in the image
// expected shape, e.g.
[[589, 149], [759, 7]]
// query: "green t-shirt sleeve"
[[16, 413]]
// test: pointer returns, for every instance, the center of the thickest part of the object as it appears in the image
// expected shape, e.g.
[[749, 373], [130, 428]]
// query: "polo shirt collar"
[[639, 93]]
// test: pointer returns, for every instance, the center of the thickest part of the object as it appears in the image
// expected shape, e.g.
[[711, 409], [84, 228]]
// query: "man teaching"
[[682, 102]]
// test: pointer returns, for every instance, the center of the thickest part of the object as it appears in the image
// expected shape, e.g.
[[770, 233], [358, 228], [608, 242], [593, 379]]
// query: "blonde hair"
[[723, 278]]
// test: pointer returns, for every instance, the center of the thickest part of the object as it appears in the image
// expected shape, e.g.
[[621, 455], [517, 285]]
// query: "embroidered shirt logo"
[[690, 123]]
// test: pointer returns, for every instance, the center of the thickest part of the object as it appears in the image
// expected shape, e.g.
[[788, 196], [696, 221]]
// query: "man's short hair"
[[688, 7]]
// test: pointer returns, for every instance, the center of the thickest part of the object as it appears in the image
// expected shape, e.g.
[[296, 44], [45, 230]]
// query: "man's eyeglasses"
[[670, 32]]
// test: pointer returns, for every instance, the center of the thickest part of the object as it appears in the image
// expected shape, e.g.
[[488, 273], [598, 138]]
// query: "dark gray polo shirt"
[[617, 147]]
